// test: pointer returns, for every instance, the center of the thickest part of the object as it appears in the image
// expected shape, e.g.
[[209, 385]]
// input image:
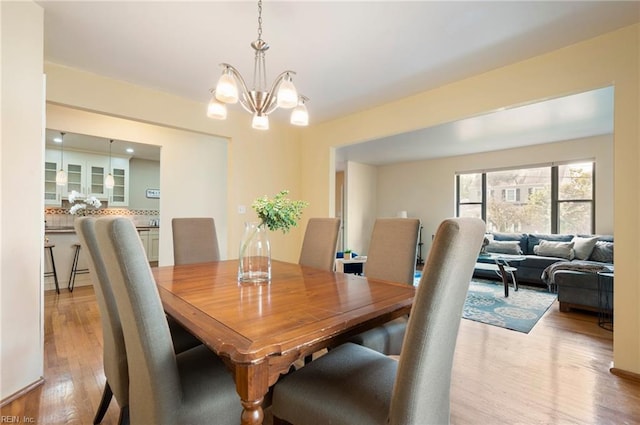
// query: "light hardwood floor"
[[556, 374]]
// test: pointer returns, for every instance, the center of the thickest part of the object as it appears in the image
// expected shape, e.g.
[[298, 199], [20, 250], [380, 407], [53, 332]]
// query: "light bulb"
[[300, 116], [260, 122], [287, 94], [109, 182], [216, 109], [227, 88]]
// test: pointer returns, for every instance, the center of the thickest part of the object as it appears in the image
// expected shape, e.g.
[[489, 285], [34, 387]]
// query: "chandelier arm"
[[247, 106], [277, 81], [273, 105], [243, 85]]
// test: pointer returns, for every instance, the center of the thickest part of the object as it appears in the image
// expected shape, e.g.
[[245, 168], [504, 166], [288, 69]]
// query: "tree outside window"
[[551, 199]]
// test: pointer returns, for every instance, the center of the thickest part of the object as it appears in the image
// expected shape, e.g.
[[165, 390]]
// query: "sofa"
[[562, 262]]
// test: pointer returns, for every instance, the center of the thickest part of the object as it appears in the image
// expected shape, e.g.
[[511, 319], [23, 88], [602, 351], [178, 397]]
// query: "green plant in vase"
[[277, 213]]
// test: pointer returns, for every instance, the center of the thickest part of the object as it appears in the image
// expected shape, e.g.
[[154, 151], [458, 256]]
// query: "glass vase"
[[254, 265]]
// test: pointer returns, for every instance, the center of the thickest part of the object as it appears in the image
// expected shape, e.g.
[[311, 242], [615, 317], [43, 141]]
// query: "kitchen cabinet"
[[151, 242], [52, 192], [85, 174], [154, 245], [119, 196]]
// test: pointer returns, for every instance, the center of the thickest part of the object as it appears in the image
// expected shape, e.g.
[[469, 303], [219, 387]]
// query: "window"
[[550, 199]]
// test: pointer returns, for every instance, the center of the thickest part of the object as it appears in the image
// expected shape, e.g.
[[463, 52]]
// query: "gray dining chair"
[[319, 243], [354, 385], [114, 352], [392, 257], [194, 240], [192, 387]]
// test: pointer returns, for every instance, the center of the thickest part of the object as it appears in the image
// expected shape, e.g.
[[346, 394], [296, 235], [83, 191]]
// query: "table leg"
[[505, 280], [252, 384]]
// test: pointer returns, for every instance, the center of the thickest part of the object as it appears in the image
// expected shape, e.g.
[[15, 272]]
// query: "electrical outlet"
[[242, 209]]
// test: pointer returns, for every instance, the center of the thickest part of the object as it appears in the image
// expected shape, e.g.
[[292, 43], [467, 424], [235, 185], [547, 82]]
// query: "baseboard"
[[22, 392], [625, 374]]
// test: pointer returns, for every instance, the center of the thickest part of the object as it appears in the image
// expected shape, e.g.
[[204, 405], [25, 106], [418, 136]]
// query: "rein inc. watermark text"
[[17, 420]]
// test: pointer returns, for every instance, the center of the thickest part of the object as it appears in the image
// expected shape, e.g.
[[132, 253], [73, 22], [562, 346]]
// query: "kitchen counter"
[[64, 238]]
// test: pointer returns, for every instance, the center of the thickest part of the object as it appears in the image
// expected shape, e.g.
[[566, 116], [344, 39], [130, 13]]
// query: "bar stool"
[[74, 268], [50, 246]]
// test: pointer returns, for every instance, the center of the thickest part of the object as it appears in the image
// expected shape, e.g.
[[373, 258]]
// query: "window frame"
[[555, 201]]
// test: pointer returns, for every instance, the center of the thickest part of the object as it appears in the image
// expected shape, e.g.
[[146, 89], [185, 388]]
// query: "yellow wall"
[[426, 188], [191, 164], [258, 162], [21, 200], [605, 60]]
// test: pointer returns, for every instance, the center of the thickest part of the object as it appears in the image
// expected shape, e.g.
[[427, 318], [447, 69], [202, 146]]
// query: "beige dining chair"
[[319, 243], [192, 387], [114, 353], [392, 257], [194, 240], [354, 385]]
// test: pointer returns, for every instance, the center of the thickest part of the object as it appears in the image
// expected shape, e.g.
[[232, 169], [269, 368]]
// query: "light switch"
[[242, 209]]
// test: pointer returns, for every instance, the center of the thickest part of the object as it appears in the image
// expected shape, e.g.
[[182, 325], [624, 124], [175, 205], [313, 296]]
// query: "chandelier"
[[258, 101]]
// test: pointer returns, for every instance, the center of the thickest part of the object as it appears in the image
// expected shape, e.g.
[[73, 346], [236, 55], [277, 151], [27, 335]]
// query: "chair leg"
[[124, 416], [107, 394], [74, 266]]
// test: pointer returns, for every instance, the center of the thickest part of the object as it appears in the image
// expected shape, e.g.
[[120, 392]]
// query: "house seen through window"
[[541, 199]]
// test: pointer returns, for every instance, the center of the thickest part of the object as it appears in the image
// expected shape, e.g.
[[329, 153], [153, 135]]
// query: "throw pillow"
[[602, 252], [504, 247], [555, 249], [583, 246]]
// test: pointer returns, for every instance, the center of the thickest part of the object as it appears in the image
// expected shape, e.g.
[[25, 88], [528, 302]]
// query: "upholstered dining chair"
[[114, 352], [319, 243], [194, 240], [391, 256], [192, 387], [354, 385]]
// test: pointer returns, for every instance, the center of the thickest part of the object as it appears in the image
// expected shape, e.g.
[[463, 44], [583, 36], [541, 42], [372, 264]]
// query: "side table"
[[502, 268], [605, 300], [354, 265]]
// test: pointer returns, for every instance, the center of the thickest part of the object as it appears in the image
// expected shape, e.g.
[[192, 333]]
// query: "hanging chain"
[[259, 19]]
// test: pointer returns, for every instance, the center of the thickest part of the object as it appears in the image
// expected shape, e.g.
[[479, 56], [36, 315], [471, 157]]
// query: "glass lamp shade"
[[216, 109], [260, 122], [108, 181], [61, 178], [227, 88], [300, 116], [287, 94]]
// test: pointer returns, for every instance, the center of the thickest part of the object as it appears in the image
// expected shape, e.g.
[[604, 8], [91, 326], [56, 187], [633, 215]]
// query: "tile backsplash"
[[56, 217]]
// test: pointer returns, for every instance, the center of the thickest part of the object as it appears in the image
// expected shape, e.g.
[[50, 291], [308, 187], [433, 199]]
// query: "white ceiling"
[[349, 56], [83, 142]]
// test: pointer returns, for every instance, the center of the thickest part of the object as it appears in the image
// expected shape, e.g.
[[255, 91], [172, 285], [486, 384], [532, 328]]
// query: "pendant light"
[[108, 181], [61, 176]]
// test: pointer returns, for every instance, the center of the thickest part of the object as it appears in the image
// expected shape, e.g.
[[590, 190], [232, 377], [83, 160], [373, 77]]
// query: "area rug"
[[519, 312]]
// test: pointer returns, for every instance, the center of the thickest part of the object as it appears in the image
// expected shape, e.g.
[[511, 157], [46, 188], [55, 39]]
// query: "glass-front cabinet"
[[52, 192], [120, 192], [86, 174]]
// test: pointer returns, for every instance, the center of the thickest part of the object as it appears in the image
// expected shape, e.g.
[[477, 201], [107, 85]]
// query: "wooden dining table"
[[261, 330]]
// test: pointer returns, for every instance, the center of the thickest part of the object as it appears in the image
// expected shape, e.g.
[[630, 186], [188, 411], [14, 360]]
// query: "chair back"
[[194, 240], [155, 391], [113, 349], [423, 381], [392, 250], [319, 244]]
